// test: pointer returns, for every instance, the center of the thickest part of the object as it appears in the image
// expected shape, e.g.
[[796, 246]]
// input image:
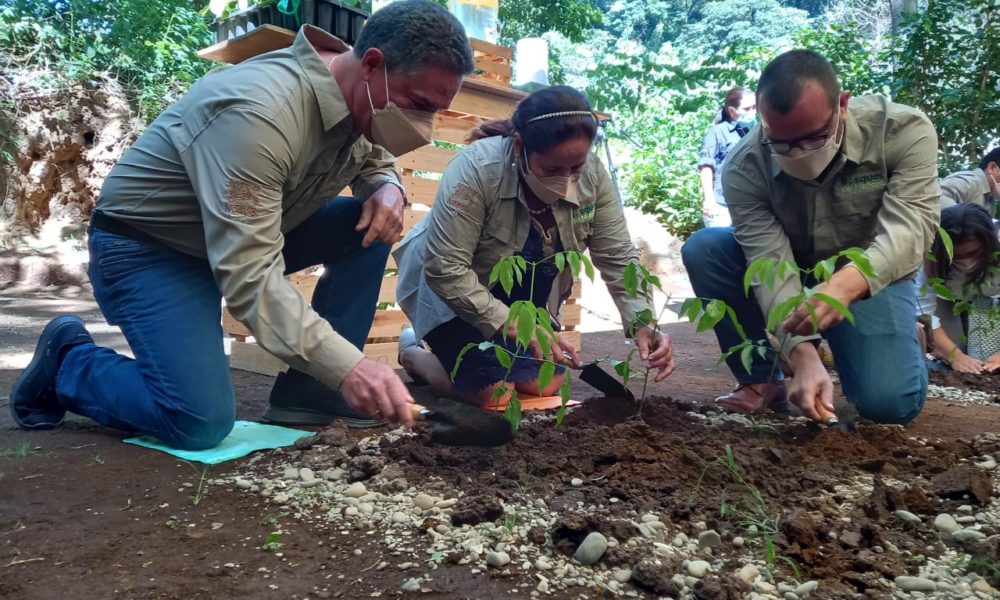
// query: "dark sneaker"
[[33, 401], [298, 399]]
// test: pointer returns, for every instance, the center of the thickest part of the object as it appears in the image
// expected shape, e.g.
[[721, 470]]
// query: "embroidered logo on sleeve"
[[242, 200], [584, 214], [462, 198]]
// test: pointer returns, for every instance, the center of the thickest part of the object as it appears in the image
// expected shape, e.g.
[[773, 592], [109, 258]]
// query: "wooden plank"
[[481, 102], [492, 49], [569, 314], [574, 337], [421, 190], [488, 65], [251, 357], [428, 158], [387, 324], [387, 293], [493, 89], [264, 38], [386, 353], [451, 128]]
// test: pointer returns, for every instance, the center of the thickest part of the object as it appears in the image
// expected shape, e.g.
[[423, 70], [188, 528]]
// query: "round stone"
[[709, 539], [907, 517], [591, 549], [698, 568], [576, 482], [351, 511], [749, 573], [806, 588], [622, 575], [497, 560], [356, 490], [424, 502], [915, 584], [411, 586], [946, 523]]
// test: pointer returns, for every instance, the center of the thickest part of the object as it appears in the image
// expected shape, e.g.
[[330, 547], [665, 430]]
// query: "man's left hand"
[[656, 349], [993, 363], [382, 216], [846, 286]]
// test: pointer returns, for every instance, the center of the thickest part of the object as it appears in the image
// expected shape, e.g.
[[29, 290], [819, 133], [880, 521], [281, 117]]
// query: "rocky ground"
[[687, 502]]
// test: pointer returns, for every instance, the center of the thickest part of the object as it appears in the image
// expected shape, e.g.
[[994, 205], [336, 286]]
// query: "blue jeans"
[[178, 388], [878, 359]]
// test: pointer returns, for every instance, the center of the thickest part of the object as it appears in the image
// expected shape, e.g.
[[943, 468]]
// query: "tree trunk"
[[901, 9]]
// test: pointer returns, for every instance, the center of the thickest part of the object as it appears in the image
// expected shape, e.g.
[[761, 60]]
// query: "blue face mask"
[[747, 123]]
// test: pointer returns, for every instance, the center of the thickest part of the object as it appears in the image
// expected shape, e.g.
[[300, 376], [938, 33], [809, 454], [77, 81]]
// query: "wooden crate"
[[487, 95]]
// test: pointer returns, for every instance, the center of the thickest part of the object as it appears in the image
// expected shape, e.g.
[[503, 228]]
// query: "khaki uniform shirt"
[[479, 216], [246, 156], [968, 187], [880, 194]]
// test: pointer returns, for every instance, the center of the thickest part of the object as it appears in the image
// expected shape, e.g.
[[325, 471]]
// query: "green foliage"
[[526, 18], [948, 65], [149, 46], [724, 24]]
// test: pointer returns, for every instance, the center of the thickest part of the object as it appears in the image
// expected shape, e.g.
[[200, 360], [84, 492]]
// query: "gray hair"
[[414, 34], [784, 78]]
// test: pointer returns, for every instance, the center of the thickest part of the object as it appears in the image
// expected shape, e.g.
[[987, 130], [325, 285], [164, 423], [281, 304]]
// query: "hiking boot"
[[33, 401], [747, 400], [298, 399]]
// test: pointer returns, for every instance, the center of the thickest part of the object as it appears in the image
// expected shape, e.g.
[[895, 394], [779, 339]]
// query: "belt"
[[108, 224]]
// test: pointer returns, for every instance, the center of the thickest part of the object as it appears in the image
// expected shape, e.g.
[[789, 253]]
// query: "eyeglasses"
[[812, 142]]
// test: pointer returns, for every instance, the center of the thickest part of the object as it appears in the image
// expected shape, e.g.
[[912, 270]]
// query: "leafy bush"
[[148, 45]]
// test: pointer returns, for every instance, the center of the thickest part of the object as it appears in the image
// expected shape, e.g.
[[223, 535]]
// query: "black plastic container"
[[329, 15]]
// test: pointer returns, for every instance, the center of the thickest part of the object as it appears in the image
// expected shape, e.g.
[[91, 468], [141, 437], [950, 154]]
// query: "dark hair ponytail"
[[963, 223], [544, 134], [733, 99]]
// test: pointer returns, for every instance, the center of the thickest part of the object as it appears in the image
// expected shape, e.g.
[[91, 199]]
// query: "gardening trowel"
[[604, 382], [458, 424]]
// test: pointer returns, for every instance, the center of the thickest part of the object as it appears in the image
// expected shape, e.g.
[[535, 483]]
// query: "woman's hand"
[[992, 364], [656, 349], [966, 364]]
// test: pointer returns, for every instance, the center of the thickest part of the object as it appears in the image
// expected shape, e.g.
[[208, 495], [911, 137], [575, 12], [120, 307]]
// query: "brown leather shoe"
[[745, 399]]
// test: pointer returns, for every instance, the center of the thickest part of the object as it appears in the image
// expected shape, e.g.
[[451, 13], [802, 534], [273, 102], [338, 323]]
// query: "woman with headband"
[[527, 186]]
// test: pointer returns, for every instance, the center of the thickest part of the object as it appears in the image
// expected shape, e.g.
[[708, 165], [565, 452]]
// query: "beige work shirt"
[[479, 216], [968, 187], [880, 194], [245, 157]]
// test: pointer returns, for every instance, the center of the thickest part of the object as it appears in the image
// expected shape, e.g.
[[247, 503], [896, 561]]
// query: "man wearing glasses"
[[822, 173]]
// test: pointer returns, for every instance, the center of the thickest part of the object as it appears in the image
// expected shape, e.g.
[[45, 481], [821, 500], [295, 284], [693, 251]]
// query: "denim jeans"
[[878, 358], [178, 388]]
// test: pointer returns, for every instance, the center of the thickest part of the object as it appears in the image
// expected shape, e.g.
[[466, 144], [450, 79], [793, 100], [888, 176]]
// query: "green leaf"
[[783, 310], [746, 357], [574, 262], [631, 280], [769, 273], [588, 267], [752, 271], [643, 318], [736, 322], [461, 355], [545, 342], [949, 245], [507, 278], [545, 374], [812, 317], [525, 323], [495, 273], [513, 411], [503, 357], [836, 304], [714, 313], [560, 260], [690, 308], [564, 390]]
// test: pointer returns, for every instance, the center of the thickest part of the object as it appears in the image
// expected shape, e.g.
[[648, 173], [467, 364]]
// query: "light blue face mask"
[[747, 123]]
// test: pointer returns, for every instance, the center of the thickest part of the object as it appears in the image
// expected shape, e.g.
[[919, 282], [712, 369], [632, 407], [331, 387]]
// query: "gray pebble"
[[915, 584], [356, 490], [698, 568], [806, 588], [946, 523], [400, 518], [411, 586], [424, 502], [497, 560], [790, 596], [907, 517], [542, 563], [306, 474], [576, 482], [591, 549], [649, 518], [622, 575], [968, 534], [749, 574], [738, 542], [291, 474], [966, 520], [243, 484], [709, 539], [351, 511]]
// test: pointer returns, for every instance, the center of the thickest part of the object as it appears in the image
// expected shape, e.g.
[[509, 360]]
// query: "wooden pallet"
[[486, 95]]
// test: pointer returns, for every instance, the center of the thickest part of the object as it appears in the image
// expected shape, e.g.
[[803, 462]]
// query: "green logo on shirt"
[[868, 182], [584, 214]]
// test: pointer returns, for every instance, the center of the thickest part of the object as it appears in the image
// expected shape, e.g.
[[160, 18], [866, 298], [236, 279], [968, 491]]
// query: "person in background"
[[825, 172], [229, 190], [979, 186], [737, 117], [972, 275], [527, 186]]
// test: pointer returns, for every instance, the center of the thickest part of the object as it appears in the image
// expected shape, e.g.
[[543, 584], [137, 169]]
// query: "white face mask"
[[807, 165], [399, 130], [964, 265], [550, 189]]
